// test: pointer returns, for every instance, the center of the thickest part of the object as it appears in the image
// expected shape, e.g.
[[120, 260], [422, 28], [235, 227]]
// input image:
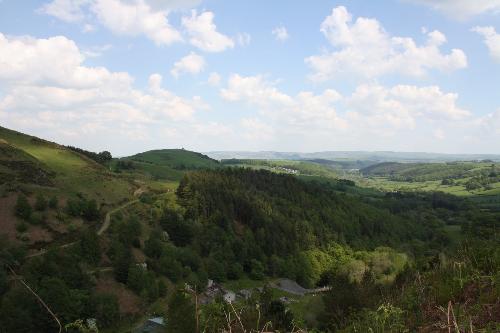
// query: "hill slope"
[[70, 172], [165, 164]]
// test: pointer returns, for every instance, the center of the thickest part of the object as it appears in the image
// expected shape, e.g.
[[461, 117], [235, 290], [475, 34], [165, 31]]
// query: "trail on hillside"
[[107, 219], [102, 229]]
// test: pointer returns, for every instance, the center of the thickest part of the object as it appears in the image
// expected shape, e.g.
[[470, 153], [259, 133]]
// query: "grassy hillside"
[[67, 172], [16, 165], [166, 164], [178, 159]]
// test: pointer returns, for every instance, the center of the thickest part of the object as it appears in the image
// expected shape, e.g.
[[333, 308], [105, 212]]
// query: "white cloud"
[[365, 49], [280, 33], [122, 17], [491, 39], [46, 84], [385, 111], [203, 32], [243, 38], [192, 64], [371, 117], [255, 129], [65, 10], [461, 9], [136, 18], [214, 79], [97, 51], [255, 90], [173, 4]]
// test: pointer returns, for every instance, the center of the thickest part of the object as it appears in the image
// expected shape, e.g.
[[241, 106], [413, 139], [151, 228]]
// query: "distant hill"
[[376, 156], [426, 171], [168, 164]]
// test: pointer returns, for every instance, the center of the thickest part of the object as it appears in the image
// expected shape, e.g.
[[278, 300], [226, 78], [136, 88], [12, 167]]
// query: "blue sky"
[[133, 75]]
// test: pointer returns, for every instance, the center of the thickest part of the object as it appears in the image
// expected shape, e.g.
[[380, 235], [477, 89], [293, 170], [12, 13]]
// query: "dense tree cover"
[[390, 259], [58, 279], [271, 224]]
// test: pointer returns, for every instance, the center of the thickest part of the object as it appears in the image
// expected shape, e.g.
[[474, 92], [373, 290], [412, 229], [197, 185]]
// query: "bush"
[[21, 227], [105, 307], [53, 202], [37, 218], [23, 208], [40, 203]]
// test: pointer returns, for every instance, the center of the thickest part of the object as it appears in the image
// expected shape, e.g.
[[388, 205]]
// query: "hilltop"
[[165, 164]]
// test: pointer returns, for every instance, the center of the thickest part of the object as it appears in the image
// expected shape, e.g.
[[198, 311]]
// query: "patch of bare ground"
[[8, 220], [138, 256], [38, 234], [130, 304]]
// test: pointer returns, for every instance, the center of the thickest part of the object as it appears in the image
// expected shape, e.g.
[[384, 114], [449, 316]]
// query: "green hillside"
[[16, 165], [425, 171], [165, 164], [61, 170]]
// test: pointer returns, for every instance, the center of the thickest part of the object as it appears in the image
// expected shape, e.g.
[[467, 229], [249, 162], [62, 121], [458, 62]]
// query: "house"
[[152, 325], [229, 296]]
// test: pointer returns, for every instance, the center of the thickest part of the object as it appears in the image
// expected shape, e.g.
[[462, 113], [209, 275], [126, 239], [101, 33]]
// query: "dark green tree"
[[23, 208], [89, 247], [105, 309], [181, 313], [41, 202]]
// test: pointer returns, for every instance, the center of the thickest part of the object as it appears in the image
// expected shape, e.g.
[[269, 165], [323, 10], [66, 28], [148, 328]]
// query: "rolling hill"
[[165, 164], [57, 169]]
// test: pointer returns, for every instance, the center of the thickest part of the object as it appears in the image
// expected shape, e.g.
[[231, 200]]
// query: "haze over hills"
[[376, 156]]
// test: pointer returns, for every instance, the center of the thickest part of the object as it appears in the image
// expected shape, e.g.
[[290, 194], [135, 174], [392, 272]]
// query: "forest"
[[394, 262]]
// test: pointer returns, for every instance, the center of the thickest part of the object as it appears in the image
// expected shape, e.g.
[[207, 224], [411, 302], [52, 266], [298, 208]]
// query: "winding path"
[[102, 229], [107, 219]]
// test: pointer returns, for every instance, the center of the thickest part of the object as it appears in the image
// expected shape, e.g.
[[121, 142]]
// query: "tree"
[[162, 288], [136, 278], [181, 316], [40, 203], [257, 270], [53, 202], [105, 309], [89, 247], [90, 211], [121, 262], [23, 208], [180, 231]]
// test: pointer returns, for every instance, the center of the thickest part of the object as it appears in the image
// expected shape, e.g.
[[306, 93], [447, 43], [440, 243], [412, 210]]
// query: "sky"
[[212, 75]]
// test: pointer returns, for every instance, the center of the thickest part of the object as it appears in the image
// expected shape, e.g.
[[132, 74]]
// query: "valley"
[[178, 235]]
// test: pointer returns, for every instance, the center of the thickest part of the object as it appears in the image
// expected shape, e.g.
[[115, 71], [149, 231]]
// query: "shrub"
[[21, 227], [23, 208], [40, 203], [53, 202]]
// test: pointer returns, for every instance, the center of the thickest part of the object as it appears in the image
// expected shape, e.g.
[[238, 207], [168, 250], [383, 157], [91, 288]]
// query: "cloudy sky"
[[133, 75]]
